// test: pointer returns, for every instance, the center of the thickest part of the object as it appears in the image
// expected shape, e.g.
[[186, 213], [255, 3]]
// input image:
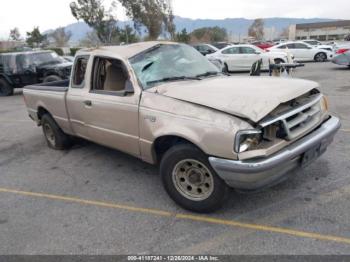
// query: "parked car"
[[342, 48], [279, 41], [221, 45], [68, 58], [25, 68], [319, 45], [205, 49], [242, 57], [303, 52], [263, 45], [165, 103], [342, 58]]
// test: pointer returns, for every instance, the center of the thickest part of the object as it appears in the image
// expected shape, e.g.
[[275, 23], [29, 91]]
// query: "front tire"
[[278, 61], [55, 137], [226, 70], [320, 57], [190, 181], [5, 88]]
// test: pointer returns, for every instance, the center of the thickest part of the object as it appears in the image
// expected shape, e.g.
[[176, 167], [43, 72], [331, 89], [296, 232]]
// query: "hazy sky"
[[48, 14]]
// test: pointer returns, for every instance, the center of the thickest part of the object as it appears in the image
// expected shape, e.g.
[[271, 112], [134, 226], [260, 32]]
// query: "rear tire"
[[55, 137], [190, 180], [320, 57], [5, 88], [52, 78]]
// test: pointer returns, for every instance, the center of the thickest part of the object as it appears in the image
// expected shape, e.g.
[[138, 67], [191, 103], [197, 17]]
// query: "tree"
[[256, 30], [15, 34], [91, 40], [209, 34], [60, 37], [93, 13], [127, 35], [183, 36], [156, 15], [35, 38]]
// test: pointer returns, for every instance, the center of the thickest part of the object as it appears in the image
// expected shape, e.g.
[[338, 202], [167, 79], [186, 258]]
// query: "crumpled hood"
[[248, 97]]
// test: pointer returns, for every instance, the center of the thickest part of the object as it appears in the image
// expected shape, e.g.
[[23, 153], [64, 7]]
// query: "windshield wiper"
[[175, 78], [209, 73]]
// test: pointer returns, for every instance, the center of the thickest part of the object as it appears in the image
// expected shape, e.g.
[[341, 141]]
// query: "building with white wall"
[[324, 31]]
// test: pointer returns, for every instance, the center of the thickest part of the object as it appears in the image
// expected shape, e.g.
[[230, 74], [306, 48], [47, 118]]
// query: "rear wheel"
[[52, 78], [320, 57], [55, 137], [5, 88], [190, 180]]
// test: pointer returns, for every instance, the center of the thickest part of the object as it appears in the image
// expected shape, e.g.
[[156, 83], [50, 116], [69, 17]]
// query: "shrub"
[[73, 51], [58, 51]]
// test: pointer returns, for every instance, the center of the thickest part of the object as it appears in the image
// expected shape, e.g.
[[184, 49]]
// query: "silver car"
[[342, 59]]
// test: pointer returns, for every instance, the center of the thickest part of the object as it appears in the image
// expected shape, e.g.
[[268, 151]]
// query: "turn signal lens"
[[325, 104]]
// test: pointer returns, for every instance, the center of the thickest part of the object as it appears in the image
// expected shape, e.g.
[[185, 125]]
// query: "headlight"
[[325, 104], [247, 139]]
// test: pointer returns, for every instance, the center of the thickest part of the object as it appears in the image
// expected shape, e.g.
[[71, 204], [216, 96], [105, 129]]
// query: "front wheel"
[[5, 88], [226, 69], [320, 57], [190, 181], [278, 61]]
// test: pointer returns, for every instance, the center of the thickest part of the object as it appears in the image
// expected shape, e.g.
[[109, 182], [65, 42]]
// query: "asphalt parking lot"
[[94, 200]]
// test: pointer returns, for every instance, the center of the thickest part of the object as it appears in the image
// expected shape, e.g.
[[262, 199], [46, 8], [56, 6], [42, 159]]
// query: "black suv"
[[26, 68]]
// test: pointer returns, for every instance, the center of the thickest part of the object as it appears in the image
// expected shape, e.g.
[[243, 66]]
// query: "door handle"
[[87, 103]]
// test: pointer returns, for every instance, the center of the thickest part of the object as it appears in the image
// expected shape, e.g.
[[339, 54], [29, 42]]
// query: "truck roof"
[[127, 51]]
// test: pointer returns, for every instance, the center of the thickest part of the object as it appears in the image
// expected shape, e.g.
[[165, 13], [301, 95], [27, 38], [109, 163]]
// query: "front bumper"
[[258, 173]]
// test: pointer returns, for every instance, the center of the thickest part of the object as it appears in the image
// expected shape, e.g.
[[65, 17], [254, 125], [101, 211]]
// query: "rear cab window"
[[79, 71]]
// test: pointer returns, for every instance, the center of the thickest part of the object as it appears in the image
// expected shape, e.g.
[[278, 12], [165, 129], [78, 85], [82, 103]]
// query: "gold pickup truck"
[[166, 104]]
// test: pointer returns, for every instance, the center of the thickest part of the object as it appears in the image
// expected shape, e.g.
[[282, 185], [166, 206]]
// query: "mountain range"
[[234, 26]]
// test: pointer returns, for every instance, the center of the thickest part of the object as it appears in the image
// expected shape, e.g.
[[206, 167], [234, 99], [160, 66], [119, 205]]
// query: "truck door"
[[111, 108], [75, 100]]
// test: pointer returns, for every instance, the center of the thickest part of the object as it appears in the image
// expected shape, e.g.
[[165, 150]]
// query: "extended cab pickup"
[[165, 103]]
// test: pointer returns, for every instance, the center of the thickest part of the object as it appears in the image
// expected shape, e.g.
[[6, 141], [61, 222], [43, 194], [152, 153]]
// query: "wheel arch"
[[42, 111], [163, 143], [6, 78]]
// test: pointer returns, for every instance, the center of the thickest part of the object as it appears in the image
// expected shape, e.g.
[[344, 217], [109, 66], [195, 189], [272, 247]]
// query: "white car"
[[303, 52], [242, 57], [319, 45]]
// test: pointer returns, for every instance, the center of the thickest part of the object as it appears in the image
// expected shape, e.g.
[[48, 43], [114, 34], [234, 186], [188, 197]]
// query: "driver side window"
[[109, 76]]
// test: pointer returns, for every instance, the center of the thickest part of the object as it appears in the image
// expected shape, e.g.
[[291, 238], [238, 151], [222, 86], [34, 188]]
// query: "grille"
[[295, 122]]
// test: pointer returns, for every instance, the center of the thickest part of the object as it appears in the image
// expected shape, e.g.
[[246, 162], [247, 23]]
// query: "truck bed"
[[60, 86], [49, 97]]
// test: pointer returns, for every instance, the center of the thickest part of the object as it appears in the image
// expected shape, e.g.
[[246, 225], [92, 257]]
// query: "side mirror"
[[257, 53], [129, 89]]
